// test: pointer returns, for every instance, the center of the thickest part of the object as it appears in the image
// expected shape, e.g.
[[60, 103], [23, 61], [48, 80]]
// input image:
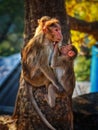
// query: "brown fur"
[[41, 23]]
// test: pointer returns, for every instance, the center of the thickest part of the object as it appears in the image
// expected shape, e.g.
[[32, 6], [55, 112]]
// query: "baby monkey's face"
[[69, 51]]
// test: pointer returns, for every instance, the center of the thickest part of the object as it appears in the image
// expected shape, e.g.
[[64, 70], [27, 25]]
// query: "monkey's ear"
[[45, 30]]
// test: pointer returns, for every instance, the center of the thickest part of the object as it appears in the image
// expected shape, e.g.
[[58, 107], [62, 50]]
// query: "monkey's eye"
[[56, 29], [52, 25]]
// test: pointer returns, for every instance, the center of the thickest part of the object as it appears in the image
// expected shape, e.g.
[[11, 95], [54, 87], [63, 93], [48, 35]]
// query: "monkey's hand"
[[60, 89]]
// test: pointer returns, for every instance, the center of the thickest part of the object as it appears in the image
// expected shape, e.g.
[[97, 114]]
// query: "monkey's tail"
[[39, 111]]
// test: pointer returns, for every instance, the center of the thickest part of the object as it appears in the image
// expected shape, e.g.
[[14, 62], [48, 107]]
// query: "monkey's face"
[[65, 49], [56, 34], [53, 32], [69, 51]]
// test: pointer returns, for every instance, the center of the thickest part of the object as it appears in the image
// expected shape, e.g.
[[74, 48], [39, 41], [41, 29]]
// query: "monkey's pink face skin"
[[67, 50], [57, 34], [64, 50], [53, 33], [71, 53]]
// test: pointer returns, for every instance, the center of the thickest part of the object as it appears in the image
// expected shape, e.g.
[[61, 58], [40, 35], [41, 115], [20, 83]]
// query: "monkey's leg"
[[51, 95]]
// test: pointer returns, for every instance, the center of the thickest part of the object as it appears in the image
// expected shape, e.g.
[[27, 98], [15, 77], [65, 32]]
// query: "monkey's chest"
[[59, 73], [49, 53]]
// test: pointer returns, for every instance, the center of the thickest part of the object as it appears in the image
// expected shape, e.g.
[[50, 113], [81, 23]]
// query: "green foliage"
[[13, 7], [11, 26], [6, 48], [82, 68], [83, 10]]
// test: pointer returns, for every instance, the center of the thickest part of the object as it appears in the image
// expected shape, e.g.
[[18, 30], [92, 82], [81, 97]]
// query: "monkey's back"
[[32, 58]]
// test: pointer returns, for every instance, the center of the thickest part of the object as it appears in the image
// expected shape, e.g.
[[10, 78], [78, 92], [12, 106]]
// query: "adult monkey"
[[36, 56]]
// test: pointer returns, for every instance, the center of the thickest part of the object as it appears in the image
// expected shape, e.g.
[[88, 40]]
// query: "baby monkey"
[[62, 64]]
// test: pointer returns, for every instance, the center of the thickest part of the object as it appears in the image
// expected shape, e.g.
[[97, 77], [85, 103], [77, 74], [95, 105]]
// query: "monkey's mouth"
[[55, 43], [58, 40]]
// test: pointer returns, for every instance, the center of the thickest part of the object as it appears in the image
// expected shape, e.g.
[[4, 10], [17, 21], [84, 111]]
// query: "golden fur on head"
[[50, 22], [43, 19], [41, 23]]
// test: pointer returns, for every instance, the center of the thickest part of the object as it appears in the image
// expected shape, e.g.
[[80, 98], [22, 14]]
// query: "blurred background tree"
[[84, 10], [11, 26]]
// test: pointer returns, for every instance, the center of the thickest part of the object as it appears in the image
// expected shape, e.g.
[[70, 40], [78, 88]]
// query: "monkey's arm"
[[57, 59]]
